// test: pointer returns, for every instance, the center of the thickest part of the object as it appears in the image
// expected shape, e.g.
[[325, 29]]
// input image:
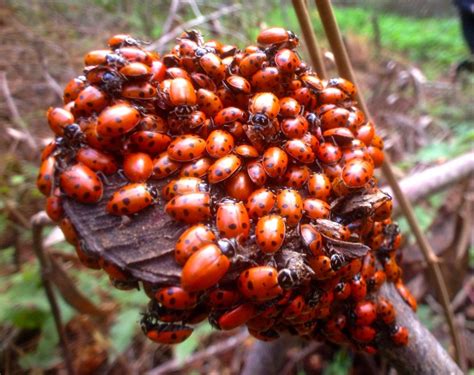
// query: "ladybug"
[[332, 229], [163, 166], [277, 36], [131, 199], [246, 151], [182, 186], [232, 220], [251, 63], [138, 166], [197, 120], [294, 308], [196, 168], [86, 259], [289, 107], [150, 142], [97, 57], [377, 155], [385, 311], [182, 96], [136, 71], [237, 316], [223, 168], [158, 72], [300, 151], [117, 120], [316, 208], [58, 119], [229, 115], [263, 107], [391, 268], [237, 85], [166, 333], [257, 173], [329, 153], [259, 283], [357, 173], [209, 102], [133, 54], [399, 335], [332, 95], [69, 231], [266, 79], [219, 143], [90, 100], [259, 323], [364, 313], [358, 288], [366, 133], [319, 186], [340, 136], [223, 298], [190, 208], [368, 265], [97, 160], [406, 295], [186, 147], [275, 161], [289, 204], [260, 203], [54, 207], [342, 291], [343, 84], [239, 186], [73, 88], [311, 239], [321, 265], [375, 282], [294, 127], [191, 240], [270, 233], [287, 61], [212, 66], [120, 40], [141, 90], [204, 268], [296, 176], [176, 298], [44, 181], [363, 334], [81, 183]]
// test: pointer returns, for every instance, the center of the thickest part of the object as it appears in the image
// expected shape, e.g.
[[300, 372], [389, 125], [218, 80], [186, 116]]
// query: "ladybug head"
[[260, 120], [337, 261], [287, 278], [153, 190], [227, 246], [114, 59], [200, 52], [73, 135]]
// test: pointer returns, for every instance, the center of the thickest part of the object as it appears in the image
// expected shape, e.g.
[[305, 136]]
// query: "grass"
[[432, 43]]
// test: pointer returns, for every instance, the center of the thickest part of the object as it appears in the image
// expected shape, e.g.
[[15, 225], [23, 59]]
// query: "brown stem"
[[310, 37], [38, 222], [344, 67]]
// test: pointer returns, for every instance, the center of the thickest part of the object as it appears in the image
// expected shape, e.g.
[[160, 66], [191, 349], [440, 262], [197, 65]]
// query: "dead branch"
[[168, 37], [14, 113], [434, 179]]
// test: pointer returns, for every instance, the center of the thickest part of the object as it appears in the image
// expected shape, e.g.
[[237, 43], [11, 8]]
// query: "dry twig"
[[168, 37]]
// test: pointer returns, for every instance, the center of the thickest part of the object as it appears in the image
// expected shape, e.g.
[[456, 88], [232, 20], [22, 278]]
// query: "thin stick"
[[15, 114], [310, 37], [38, 222], [212, 351], [344, 68], [192, 23]]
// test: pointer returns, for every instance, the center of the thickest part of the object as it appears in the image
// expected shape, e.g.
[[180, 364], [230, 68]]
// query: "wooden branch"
[[434, 179], [310, 37], [166, 38]]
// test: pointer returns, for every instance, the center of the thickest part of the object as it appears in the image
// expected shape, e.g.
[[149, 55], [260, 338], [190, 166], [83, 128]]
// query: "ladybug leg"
[[124, 221], [103, 177]]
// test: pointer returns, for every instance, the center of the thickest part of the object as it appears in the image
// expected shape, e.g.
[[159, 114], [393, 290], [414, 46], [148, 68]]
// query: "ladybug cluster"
[[270, 167]]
